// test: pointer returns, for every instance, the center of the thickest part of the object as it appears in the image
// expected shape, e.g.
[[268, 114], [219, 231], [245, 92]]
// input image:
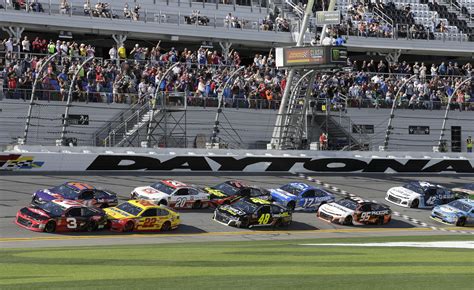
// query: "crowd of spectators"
[[134, 76]]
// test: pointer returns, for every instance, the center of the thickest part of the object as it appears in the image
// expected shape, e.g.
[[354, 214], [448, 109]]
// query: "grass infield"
[[242, 265]]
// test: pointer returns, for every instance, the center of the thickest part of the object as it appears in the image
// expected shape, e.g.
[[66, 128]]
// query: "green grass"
[[241, 265]]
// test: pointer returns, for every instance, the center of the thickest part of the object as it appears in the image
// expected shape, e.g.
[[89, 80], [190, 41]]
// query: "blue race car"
[[80, 192], [459, 212], [301, 195]]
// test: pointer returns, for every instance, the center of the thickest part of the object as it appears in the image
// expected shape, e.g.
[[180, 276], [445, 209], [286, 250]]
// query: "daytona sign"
[[278, 164]]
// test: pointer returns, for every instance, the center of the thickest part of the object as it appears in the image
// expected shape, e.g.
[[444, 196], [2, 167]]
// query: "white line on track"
[[447, 244]]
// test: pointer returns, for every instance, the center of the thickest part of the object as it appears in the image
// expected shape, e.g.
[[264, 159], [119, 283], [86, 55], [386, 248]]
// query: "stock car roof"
[[79, 185], [237, 183], [174, 183], [143, 204], [300, 185]]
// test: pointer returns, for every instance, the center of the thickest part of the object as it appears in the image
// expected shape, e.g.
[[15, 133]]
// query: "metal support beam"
[[32, 98], [119, 39], [225, 46], [69, 97], [445, 119], [392, 113]]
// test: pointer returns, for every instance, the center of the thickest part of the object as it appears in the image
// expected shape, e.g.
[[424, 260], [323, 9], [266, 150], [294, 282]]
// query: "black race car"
[[250, 212], [232, 190]]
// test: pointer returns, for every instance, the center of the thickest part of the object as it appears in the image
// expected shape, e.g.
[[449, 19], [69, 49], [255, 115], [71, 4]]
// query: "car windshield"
[[53, 209], [415, 187], [469, 186], [291, 189], [66, 191], [129, 208], [104, 194], [460, 205], [245, 206], [226, 188], [350, 204], [163, 187]]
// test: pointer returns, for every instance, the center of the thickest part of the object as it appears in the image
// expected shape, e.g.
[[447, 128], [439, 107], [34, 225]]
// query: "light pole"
[[220, 95], [69, 97], [155, 97], [392, 115], [32, 98], [450, 97]]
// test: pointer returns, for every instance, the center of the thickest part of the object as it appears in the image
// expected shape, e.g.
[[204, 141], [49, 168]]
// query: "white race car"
[[419, 194], [172, 193]]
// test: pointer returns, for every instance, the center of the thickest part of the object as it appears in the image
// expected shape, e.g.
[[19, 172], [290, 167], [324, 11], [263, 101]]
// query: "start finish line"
[[77, 159]]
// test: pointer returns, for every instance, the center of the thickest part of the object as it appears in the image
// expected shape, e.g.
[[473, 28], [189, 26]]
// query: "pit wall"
[[83, 159]]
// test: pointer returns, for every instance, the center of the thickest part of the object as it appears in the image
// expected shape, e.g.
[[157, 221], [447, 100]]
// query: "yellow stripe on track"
[[297, 232]]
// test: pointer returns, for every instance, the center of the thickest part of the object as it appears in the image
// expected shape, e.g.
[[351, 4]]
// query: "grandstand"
[[160, 86]]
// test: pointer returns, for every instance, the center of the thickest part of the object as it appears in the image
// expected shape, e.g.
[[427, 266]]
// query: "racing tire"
[[50, 227], [92, 226], [197, 204], [380, 221], [348, 221], [291, 206], [166, 227], [163, 202], [415, 203], [461, 222], [104, 205], [128, 227], [277, 224]]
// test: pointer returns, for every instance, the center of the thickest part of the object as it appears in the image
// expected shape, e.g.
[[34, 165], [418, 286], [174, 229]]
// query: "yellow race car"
[[141, 215]]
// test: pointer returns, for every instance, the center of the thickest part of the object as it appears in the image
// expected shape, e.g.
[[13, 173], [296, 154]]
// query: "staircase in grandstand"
[[294, 127], [343, 134]]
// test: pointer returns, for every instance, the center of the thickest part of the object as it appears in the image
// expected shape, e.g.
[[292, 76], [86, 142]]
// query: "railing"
[[155, 16], [299, 11]]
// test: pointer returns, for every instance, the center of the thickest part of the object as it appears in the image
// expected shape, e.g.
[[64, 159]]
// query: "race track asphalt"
[[197, 225]]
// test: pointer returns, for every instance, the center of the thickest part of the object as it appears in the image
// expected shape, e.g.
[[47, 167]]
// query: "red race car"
[[61, 216]]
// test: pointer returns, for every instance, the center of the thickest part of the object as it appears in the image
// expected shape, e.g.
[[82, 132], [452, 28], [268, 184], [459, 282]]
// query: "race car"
[[419, 194], [233, 190], [61, 215], [300, 195], [80, 192], [252, 212], [141, 215], [349, 211], [464, 191], [172, 193], [458, 212]]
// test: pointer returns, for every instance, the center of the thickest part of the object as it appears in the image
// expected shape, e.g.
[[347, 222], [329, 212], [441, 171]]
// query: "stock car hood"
[[150, 193], [403, 193], [35, 213], [47, 195], [464, 190], [117, 213], [215, 193], [281, 194], [335, 209], [232, 210], [448, 210]]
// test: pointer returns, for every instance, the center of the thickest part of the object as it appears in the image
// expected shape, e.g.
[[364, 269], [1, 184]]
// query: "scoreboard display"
[[310, 56]]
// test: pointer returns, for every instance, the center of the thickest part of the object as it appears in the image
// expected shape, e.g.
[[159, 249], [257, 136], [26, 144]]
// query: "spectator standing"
[[469, 144], [25, 45], [113, 53]]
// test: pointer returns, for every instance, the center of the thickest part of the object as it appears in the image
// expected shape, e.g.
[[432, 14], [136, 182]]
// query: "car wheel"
[[380, 220], [348, 220], [461, 221], [50, 227], [92, 226], [277, 224], [163, 202], [291, 206], [197, 204], [128, 226], [415, 203], [166, 227], [104, 205]]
